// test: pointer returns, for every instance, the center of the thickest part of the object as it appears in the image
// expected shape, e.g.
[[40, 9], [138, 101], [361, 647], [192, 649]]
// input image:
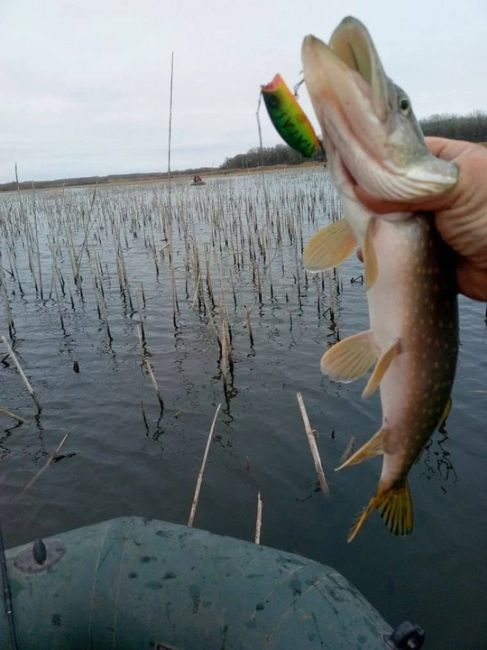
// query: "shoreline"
[[150, 178]]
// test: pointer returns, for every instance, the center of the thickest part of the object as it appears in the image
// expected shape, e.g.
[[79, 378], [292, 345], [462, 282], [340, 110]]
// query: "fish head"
[[369, 127]]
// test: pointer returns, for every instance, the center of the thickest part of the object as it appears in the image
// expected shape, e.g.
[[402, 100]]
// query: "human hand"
[[460, 214]]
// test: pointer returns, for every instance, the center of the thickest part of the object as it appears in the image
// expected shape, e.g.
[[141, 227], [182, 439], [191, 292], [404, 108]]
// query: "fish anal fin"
[[381, 367], [445, 414], [369, 255], [329, 247], [361, 519], [351, 358], [373, 447], [395, 507]]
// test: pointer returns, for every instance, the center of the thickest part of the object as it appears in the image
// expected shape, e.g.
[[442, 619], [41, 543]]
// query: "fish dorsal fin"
[[370, 258], [395, 507], [381, 367], [351, 358], [373, 447], [329, 247]]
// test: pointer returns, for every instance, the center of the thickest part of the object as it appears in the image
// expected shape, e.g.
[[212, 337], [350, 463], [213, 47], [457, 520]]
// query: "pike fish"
[[372, 140]]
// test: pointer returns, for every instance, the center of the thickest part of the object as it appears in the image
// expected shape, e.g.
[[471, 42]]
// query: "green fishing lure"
[[288, 117]]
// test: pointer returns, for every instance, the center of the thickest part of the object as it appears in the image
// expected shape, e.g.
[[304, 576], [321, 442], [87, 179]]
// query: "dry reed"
[[313, 446], [199, 480]]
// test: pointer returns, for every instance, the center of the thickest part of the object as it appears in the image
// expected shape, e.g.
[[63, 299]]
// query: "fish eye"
[[404, 105]]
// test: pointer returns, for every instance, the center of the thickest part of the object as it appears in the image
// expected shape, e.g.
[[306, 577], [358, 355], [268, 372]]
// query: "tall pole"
[[170, 120], [169, 159]]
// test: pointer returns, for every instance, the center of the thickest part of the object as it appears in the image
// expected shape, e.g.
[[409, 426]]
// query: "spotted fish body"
[[414, 302], [372, 139], [288, 117]]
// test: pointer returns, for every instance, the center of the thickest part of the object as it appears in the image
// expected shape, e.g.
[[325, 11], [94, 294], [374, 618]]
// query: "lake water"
[[124, 455]]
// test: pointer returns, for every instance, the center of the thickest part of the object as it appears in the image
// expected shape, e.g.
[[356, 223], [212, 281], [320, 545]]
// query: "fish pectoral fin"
[[370, 257], [395, 507], [329, 247], [373, 447], [351, 358], [381, 367], [445, 414]]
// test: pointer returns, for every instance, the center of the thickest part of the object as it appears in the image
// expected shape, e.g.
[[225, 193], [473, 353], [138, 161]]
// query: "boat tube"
[[132, 583]]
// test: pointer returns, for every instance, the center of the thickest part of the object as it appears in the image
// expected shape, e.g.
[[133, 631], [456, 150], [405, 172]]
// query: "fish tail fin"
[[395, 507]]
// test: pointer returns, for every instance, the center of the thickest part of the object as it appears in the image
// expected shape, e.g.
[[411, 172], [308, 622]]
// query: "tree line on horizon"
[[472, 127]]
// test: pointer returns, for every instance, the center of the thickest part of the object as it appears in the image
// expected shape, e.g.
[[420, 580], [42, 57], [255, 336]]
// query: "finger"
[[471, 280], [445, 148]]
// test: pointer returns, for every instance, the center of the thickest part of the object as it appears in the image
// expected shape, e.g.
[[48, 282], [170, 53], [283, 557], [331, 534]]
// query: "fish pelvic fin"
[[445, 414], [351, 358], [370, 257], [329, 247], [373, 447], [381, 367], [395, 507]]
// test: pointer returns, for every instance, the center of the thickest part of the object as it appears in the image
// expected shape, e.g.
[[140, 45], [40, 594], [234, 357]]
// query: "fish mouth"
[[367, 122]]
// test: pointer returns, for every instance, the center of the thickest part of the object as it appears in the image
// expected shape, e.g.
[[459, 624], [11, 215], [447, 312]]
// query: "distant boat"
[[197, 180]]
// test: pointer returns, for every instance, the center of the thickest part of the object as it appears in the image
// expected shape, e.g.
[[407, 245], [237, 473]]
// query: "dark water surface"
[[123, 456]]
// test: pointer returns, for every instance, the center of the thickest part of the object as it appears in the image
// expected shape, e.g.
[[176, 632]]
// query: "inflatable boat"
[[133, 583]]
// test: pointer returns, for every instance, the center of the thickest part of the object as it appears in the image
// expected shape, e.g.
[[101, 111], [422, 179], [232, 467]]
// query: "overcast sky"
[[85, 84]]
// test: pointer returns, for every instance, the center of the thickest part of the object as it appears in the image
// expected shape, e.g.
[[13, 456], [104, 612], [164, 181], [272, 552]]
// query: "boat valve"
[[40, 556], [39, 551], [407, 636]]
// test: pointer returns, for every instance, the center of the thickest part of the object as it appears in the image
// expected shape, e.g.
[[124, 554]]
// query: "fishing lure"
[[288, 117]]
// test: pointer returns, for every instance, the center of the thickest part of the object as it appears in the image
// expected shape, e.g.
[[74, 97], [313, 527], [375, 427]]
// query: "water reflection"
[[436, 459]]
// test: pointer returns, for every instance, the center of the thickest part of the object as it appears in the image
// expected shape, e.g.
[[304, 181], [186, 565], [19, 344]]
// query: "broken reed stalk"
[[175, 304], [141, 342], [313, 446], [141, 322], [10, 318], [258, 522], [199, 480], [39, 269], [12, 415], [211, 320], [196, 291], [249, 326], [148, 367], [85, 240], [43, 468], [348, 450], [21, 373]]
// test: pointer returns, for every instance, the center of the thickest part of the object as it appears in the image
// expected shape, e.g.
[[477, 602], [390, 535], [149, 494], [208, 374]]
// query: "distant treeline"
[[281, 154], [471, 127]]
